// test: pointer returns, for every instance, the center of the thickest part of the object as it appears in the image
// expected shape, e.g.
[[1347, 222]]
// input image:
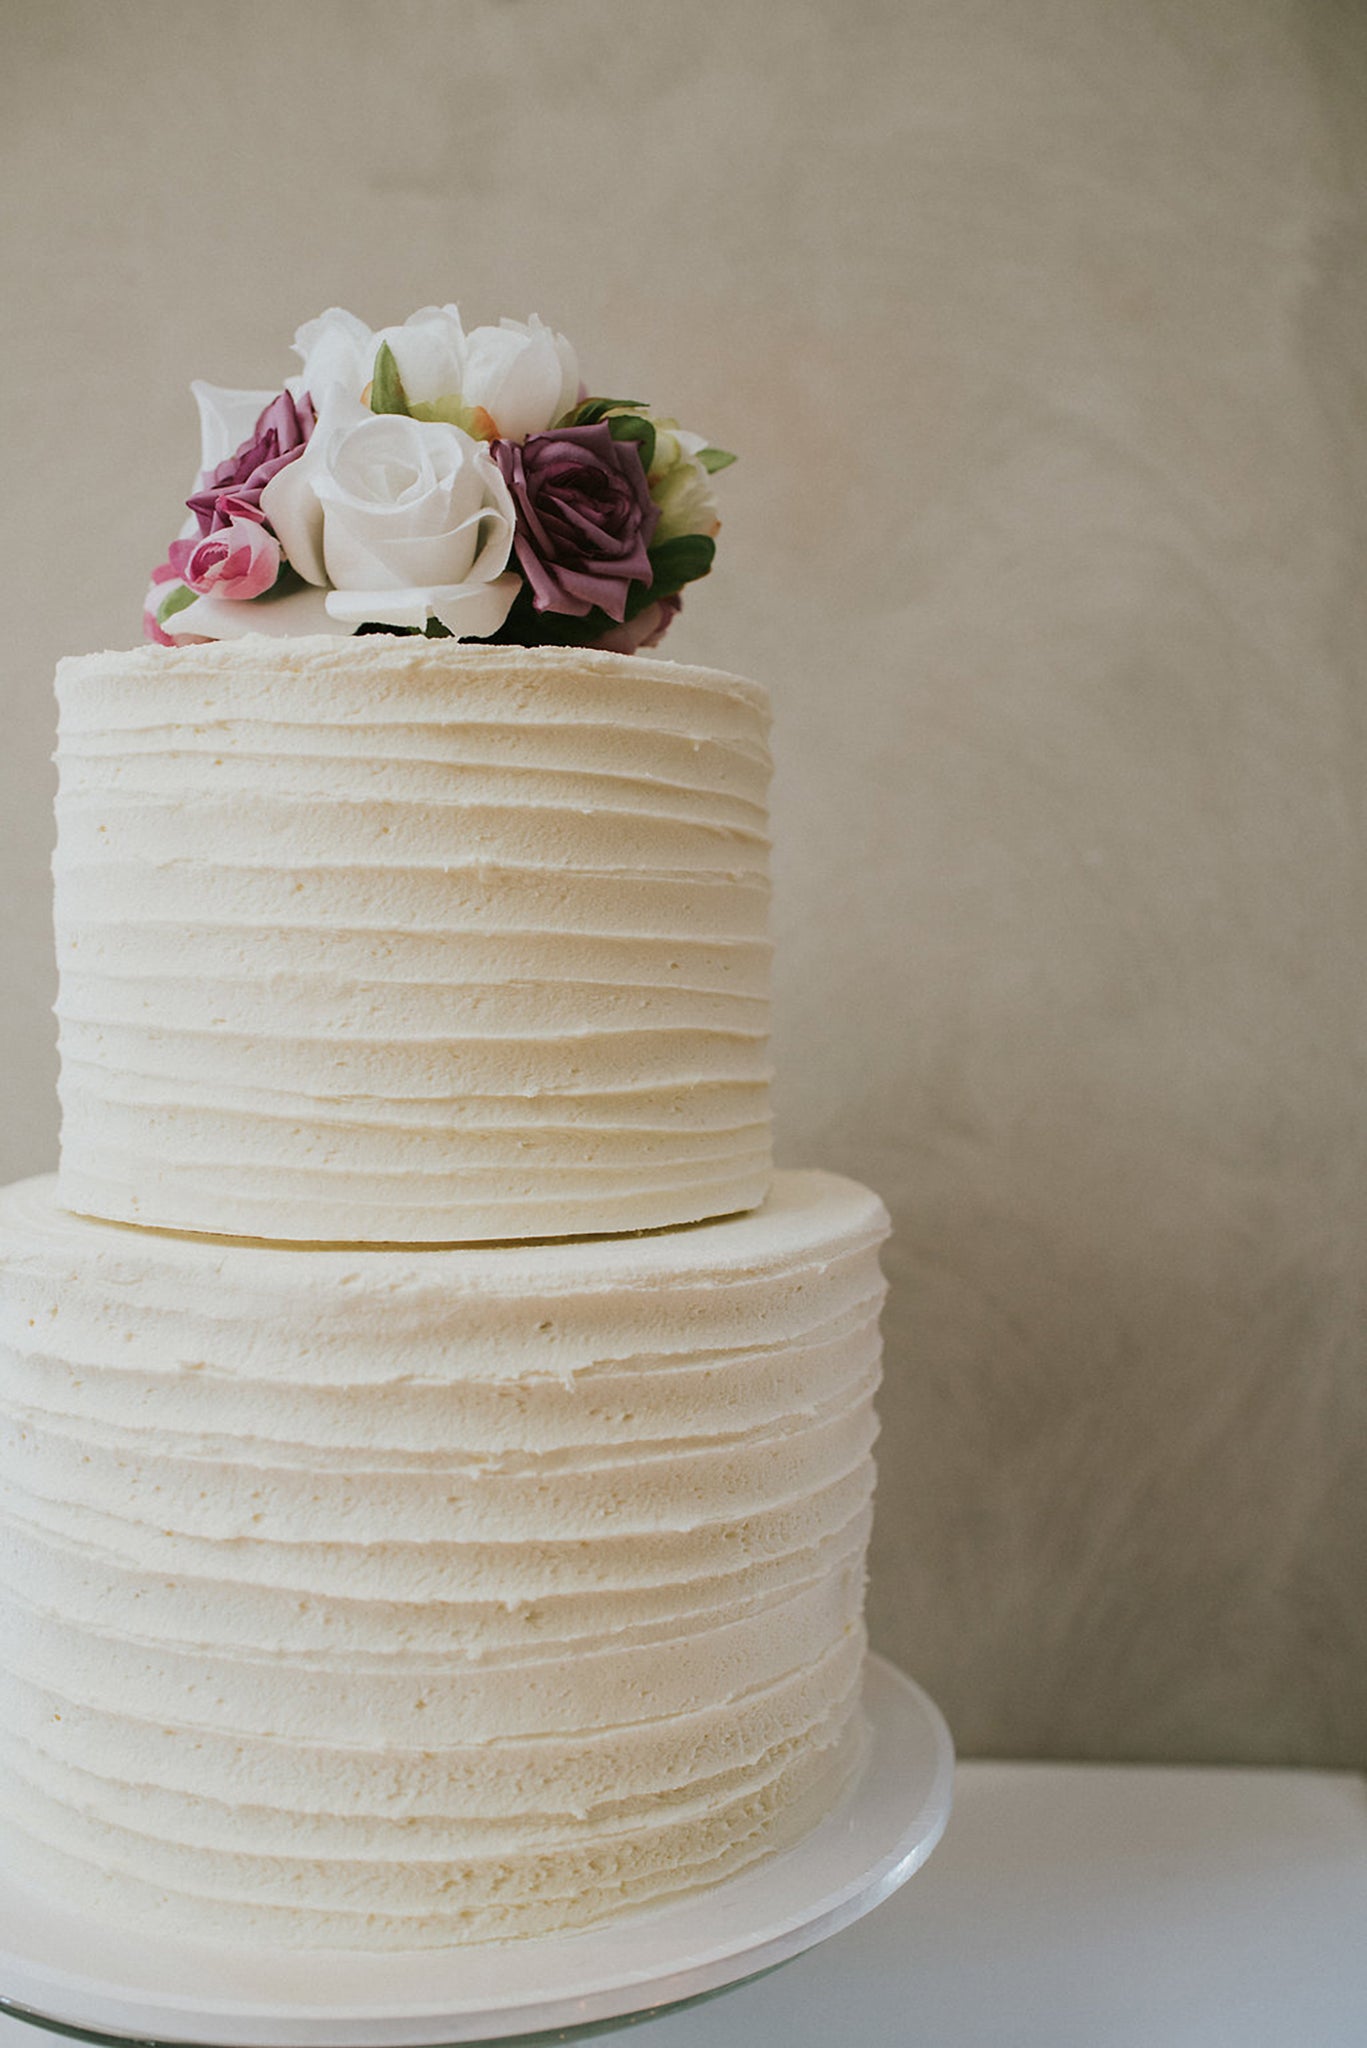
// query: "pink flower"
[[647, 629], [238, 560]]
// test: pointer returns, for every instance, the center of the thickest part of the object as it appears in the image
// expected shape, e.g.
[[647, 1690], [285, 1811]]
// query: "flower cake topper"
[[420, 479]]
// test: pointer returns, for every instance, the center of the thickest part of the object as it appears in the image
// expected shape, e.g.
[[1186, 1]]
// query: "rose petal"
[[226, 417], [338, 353], [472, 611], [295, 612]]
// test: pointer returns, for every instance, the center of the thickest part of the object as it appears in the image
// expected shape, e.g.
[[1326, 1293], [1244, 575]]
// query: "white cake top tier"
[[402, 940]]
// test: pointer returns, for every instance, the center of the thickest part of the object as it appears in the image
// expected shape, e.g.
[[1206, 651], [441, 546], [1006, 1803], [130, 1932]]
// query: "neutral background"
[[1042, 333]]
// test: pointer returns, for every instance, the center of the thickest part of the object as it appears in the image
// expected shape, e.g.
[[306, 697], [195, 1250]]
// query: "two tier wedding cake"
[[434, 1444]]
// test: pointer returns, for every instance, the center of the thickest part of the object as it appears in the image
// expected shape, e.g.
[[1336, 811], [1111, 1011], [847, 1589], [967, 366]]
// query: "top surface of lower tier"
[[807, 1214], [385, 941]]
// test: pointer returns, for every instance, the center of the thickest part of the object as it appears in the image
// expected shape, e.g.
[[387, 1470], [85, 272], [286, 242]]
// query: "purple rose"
[[233, 490], [584, 517]]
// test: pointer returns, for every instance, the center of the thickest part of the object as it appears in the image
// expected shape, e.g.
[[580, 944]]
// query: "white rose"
[[522, 373], [406, 519], [339, 350], [680, 486]]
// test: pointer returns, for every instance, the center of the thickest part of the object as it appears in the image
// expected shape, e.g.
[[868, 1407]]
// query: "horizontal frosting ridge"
[[326, 873], [417, 1595]]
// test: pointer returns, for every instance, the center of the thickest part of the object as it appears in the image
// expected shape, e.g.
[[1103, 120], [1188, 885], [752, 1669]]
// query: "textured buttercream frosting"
[[390, 939], [408, 1596]]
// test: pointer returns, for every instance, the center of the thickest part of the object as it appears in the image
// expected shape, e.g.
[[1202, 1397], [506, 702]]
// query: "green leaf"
[[590, 410], [386, 387], [672, 564], [679, 561], [713, 459], [175, 601], [629, 426]]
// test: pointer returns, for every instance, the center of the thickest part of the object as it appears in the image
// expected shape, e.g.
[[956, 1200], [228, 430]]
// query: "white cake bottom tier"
[[404, 1597], [382, 941]]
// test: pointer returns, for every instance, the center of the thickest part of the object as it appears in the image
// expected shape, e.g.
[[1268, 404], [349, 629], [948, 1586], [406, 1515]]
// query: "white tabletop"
[[1085, 1906]]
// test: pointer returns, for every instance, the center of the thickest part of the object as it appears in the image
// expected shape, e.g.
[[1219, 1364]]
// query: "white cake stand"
[[76, 1975]]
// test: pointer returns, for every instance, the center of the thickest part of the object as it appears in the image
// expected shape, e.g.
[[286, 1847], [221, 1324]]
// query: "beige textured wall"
[[1042, 332]]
